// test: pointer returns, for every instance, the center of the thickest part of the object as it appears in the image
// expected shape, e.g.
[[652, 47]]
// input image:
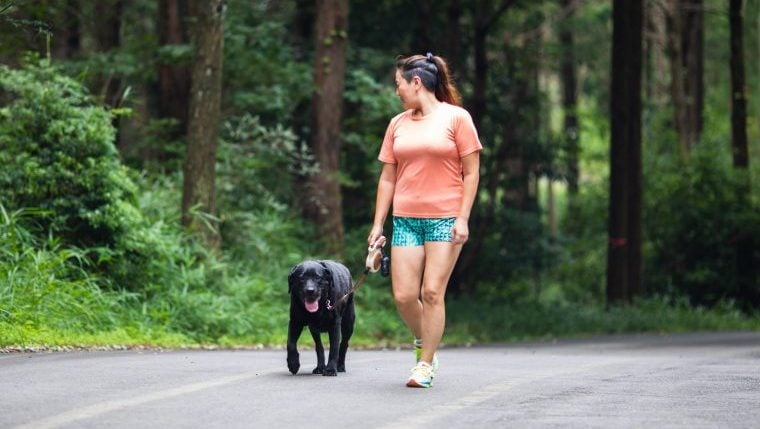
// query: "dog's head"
[[308, 282]]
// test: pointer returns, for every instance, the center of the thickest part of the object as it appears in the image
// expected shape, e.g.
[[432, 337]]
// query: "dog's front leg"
[[320, 369], [294, 331], [332, 360]]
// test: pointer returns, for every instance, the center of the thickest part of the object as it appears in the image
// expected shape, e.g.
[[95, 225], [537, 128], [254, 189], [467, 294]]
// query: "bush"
[[59, 150], [58, 153], [694, 216], [57, 147]]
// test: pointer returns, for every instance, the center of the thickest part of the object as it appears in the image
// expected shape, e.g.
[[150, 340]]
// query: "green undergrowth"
[[469, 322]]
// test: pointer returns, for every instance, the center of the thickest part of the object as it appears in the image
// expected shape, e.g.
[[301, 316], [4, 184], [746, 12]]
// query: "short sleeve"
[[386, 150], [465, 134]]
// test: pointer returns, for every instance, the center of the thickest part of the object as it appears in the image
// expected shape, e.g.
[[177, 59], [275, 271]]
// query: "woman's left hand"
[[460, 232]]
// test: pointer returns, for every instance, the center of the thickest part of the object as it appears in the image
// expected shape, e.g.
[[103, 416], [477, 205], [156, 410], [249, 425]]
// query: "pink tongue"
[[311, 307]]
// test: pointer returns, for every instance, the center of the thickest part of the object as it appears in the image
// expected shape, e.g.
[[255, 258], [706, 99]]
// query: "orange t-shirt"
[[428, 154]]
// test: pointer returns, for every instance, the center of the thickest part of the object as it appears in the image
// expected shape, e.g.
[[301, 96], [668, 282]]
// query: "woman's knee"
[[432, 296], [404, 298]]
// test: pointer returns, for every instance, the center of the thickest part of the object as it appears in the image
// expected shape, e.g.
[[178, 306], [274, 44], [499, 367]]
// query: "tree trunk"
[[658, 89], [484, 16], [623, 257], [303, 28], [649, 30], [173, 78], [324, 207], [739, 96], [480, 84], [199, 193], [454, 37], [569, 102], [685, 48], [67, 36], [749, 291], [422, 41], [692, 41], [108, 38]]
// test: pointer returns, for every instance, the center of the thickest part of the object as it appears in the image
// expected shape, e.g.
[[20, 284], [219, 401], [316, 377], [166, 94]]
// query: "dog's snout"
[[311, 288]]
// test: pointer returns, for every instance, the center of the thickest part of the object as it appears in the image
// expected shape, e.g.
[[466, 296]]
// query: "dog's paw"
[[293, 365], [330, 372], [318, 370], [341, 368]]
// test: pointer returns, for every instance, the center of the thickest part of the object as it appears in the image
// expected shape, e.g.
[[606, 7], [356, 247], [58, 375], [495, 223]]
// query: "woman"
[[431, 163]]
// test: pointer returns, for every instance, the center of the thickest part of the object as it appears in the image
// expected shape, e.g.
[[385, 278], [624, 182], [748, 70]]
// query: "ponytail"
[[434, 74]]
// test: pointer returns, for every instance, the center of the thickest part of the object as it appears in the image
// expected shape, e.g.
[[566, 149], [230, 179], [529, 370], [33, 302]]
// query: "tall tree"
[[484, 17], [324, 207], [173, 76], [199, 191], [569, 99], [738, 92], [686, 52], [423, 39], [108, 29], [749, 291], [656, 39], [624, 251], [454, 37], [67, 35]]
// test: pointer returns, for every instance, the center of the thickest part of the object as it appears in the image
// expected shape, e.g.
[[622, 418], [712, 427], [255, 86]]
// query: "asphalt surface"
[[676, 381]]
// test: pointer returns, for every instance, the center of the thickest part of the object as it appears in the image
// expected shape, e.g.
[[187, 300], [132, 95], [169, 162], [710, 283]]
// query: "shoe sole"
[[413, 383]]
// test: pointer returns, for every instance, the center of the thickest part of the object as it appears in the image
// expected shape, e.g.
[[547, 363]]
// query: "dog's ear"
[[328, 274], [293, 277]]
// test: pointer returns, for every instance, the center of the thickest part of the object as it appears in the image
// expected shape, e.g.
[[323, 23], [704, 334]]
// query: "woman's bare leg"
[[407, 264], [440, 257]]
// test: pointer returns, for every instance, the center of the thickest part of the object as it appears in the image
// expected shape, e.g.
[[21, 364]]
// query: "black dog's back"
[[341, 277]]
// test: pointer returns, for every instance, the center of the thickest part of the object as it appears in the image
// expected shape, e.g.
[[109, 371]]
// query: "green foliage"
[[91, 252], [497, 321], [59, 151], [578, 275], [261, 70], [43, 283], [522, 249], [372, 104], [695, 213], [259, 207], [62, 162]]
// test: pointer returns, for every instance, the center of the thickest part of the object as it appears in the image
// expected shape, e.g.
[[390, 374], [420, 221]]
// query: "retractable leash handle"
[[375, 255], [376, 261]]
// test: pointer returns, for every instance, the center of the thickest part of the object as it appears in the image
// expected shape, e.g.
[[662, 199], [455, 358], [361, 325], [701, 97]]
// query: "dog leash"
[[373, 263], [350, 291]]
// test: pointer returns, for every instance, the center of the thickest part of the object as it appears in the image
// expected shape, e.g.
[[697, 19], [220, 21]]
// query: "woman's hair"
[[434, 74]]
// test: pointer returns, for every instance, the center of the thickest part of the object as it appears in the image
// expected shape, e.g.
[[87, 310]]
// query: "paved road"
[[680, 381]]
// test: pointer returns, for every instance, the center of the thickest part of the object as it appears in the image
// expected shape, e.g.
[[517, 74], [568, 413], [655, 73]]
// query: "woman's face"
[[406, 91]]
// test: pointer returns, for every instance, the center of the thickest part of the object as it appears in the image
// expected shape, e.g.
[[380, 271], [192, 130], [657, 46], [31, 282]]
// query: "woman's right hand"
[[374, 234]]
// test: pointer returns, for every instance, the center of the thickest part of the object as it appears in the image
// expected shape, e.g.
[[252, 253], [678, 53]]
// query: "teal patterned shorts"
[[412, 231]]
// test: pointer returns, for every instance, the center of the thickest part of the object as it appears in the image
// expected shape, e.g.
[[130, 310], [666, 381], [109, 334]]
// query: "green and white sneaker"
[[418, 355], [422, 376]]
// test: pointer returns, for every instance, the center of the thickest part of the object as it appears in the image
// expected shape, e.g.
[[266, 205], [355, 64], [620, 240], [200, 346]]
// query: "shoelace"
[[424, 370]]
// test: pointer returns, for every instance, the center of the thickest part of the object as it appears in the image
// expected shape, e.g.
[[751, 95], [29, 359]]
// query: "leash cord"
[[352, 290]]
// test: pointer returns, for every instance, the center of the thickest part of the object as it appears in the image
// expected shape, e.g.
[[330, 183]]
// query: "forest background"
[[165, 163]]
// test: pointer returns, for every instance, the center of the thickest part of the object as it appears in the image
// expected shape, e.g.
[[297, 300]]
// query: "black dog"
[[312, 285]]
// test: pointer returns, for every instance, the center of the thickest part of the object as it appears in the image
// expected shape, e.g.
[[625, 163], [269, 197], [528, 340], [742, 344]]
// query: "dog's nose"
[[310, 289]]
